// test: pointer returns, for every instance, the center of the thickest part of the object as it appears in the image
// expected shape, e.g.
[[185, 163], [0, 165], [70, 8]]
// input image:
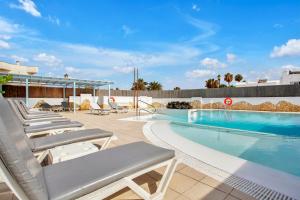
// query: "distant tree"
[[228, 78], [140, 84], [154, 85], [3, 80], [222, 86], [238, 78], [117, 88], [177, 88]]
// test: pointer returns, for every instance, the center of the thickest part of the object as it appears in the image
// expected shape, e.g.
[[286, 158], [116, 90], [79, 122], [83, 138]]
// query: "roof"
[[57, 81], [17, 69]]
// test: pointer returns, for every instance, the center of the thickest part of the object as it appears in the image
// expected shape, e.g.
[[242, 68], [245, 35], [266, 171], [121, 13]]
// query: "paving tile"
[[171, 194], [180, 166], [181, 183], [240, 195], [182, 197], [190, 172], [229, 197], [216, 184], [204, 192]]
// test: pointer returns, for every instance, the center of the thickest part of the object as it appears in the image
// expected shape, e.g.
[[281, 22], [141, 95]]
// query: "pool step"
[[257, 191]]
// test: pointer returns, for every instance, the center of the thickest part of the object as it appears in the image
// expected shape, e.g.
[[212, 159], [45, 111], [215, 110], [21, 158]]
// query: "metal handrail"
[[152, 112]]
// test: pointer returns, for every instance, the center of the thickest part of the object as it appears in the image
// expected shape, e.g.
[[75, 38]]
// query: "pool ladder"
[[155, 110]]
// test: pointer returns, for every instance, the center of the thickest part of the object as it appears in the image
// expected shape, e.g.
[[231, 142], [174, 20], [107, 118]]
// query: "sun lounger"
[[117, 109], [41, 145], [28, 111], [94, 107], [94, 176], [36, 115], [34, 121]]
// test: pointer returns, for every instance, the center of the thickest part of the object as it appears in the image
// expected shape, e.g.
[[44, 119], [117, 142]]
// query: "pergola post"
[[27, 92], [74, 96], [94, 94], [108, 92], [64, 93]]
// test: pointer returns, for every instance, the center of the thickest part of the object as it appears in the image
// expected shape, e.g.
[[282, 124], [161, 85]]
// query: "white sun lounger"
[[95, 108], [94, 176]]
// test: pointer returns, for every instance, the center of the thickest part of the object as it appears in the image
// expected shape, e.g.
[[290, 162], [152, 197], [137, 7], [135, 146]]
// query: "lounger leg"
[[42, 155], [106, 143], [162, 188]]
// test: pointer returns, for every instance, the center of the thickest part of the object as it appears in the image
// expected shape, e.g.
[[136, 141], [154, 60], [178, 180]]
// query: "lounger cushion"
[[43, 143], [74, 178], [52, 126], [18, 157], [52, 120]]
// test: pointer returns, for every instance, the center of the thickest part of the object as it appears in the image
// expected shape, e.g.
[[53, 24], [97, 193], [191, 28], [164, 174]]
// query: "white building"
[[17, 69], [288, 77]]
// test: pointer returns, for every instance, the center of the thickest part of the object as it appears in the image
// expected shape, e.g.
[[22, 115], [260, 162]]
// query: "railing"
[[147, 110]]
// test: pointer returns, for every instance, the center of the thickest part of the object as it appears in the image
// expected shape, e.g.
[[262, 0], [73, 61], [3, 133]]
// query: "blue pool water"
[[270, 139]]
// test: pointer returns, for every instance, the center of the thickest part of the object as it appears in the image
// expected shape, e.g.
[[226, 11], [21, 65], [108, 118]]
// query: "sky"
[[177, 43]]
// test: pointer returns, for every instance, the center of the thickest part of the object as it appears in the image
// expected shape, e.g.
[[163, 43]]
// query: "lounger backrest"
[[21, 109], [16, 110], [18, 157], [23, 104], [95, 106]]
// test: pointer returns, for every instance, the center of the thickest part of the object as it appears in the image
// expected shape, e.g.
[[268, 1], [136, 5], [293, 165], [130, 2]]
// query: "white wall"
[[125, 101], [255, 100]]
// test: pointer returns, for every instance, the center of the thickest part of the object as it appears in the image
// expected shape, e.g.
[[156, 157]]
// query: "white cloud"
[[291, 48], [19, 58], [290, 67], [72, 70], [28, 6], [125, 70], [47, 59], [199, 73], [7, 27], [127, 30], [54, 20], [277, 26], [5, 37], [205, 28], [195, 7], [231, 57], [212, 63], [4, 45]]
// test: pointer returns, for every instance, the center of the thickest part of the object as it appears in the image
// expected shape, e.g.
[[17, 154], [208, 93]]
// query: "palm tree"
[[219, 78], [154, 85], [238, 78], [177, 88], [216, 84], [140, 84], [210, 83], [228, 78]]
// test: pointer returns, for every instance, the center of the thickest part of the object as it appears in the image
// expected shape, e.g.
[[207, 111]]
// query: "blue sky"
[[178, 43]]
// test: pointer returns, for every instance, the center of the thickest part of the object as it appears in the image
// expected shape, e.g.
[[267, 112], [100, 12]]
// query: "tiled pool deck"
[[186, 183]]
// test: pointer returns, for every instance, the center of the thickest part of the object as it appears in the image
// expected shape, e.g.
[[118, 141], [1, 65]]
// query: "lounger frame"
[[54, 131], [41, 155], [111, 188]]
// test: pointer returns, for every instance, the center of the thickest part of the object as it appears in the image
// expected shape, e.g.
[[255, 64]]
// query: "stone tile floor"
[[186, 184]]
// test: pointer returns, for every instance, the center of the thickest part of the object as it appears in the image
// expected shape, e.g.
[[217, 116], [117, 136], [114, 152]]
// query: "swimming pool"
[[270, 139]]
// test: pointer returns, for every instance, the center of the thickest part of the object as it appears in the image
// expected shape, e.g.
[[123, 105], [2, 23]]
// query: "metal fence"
[[262, 91]]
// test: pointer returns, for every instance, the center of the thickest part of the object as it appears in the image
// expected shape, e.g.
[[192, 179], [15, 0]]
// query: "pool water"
[[270, 139]]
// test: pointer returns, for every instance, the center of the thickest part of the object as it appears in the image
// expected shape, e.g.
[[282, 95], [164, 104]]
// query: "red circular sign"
[[228, 101]]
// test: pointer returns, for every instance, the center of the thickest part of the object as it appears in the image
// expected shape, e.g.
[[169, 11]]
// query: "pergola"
[[59, 82]]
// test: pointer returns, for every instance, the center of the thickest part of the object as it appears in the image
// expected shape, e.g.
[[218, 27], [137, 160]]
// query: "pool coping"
[[221, 165]]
